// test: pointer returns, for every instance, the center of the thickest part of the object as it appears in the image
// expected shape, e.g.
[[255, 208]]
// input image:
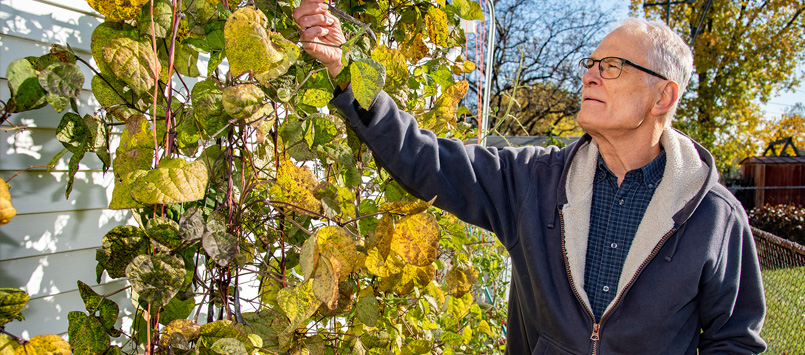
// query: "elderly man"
[[623, 242]]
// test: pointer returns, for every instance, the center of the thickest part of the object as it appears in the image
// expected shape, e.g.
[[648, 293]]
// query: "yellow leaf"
[[7, 211], [460, 280], [383, 266], [407, 208], [117, 10], [337, 245], [299, 304], [295, 187], [416, 239], [483, 327], [443, 114], [45, 345], [325, 282], [8, 345], [189, 329], [436, 22]]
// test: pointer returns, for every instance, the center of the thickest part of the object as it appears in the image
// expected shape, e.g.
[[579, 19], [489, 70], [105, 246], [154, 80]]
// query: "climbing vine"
[[263, 224]]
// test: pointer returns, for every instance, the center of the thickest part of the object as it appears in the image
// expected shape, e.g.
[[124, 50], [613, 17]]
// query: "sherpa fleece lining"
[[684, 176]]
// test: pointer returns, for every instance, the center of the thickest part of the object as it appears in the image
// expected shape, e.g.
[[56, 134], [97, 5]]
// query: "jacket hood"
[[689, 173]]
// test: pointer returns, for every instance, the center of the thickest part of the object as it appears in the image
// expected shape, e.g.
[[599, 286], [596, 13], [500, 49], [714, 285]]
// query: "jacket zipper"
[[595, 336]]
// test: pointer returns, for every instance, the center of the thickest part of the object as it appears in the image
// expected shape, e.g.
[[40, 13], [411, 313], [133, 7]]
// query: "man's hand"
[[321, 34]]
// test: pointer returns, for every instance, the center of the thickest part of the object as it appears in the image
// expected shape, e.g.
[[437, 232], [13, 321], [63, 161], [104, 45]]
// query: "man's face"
[[621, 106]]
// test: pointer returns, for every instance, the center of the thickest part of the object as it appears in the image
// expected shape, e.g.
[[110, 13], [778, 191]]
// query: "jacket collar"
[[689, 172]]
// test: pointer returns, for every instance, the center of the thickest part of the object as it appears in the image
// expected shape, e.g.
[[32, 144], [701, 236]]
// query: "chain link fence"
[[783, 266]]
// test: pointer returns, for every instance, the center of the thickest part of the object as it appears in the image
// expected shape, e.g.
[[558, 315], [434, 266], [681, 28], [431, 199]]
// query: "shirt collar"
[[651, 172]]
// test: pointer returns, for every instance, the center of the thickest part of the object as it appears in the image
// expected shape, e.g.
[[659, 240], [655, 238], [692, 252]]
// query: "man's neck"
[[624, 155]]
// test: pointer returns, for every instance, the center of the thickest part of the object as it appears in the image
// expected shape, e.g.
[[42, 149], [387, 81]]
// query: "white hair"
[[670, 55]]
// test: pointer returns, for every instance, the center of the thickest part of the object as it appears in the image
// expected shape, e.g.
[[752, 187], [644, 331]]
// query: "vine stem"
[[29, 168]]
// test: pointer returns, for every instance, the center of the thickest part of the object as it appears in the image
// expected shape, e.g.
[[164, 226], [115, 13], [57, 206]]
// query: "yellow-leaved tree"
[[744, 52]]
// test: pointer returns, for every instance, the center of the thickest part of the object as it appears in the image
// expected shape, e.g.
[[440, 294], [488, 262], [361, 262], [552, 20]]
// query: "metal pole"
[[490, 51]]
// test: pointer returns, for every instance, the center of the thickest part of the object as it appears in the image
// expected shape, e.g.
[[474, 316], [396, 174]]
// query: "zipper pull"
[[596, 328]]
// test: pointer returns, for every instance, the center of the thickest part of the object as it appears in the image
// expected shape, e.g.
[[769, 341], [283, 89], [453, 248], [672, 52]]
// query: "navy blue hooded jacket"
[[691, 279]]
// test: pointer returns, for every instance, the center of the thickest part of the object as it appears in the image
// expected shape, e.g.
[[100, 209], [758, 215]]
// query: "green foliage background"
[[247, 176]]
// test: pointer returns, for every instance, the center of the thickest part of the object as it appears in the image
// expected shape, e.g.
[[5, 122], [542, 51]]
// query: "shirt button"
[[651, 186], [614, 245], [620, 202], [606, 288]]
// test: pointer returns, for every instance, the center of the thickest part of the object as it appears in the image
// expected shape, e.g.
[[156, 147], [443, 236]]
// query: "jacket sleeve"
[[470, 181], [733, 304]]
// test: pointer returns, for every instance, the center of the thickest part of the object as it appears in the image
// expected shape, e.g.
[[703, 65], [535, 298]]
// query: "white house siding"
[[51, 243]]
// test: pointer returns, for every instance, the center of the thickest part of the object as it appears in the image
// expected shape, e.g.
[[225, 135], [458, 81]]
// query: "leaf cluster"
[[263, 224]]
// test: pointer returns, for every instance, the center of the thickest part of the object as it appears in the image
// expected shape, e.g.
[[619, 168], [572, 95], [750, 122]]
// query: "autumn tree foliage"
[[745, 51], [264, 225]]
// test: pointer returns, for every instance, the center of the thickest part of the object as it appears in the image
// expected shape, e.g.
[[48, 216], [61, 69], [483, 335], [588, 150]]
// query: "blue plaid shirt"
[[615, 214]]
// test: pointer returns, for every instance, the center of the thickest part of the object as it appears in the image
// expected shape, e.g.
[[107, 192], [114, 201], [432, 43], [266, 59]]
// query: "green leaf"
[[107, 309], [220, 246], [208, 107], [50, 344], [367, 310], [176, 309], [165, 231], [133, 62], [114, 99], [368, 78], [324, 128], [73, 133], [87, 334], [210, 333], [174, 181], [63, 79], [156, 278], [248, 45], [191, 225], [416, 239], [120, 246], [229, 346], [316, 97], [242, 101], [468, 9], [417, 346], [24, 84], [452, 338], [298, 303], [163, 19], [104, 33], [12, 301]]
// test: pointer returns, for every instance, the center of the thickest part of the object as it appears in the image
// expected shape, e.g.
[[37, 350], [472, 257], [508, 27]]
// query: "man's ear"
[[669, 95]]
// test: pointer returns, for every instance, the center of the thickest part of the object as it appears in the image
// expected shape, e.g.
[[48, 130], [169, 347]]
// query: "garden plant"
[[262, 224]]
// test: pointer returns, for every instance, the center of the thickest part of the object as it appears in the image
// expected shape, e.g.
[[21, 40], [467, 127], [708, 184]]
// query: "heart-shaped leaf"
[[133, 62], [12, 301], [156, 278]]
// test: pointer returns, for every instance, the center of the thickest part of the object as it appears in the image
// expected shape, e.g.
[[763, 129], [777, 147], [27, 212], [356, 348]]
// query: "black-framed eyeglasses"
[[611, 67]]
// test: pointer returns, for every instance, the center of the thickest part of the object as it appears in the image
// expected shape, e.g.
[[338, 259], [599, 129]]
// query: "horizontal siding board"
[[51, 274], [42, 192], [40, 234], [48, 315], [36, 147], [45, 23]]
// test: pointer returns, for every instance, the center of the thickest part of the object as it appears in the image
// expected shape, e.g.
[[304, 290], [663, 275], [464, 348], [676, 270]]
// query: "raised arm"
[[321, 34]]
